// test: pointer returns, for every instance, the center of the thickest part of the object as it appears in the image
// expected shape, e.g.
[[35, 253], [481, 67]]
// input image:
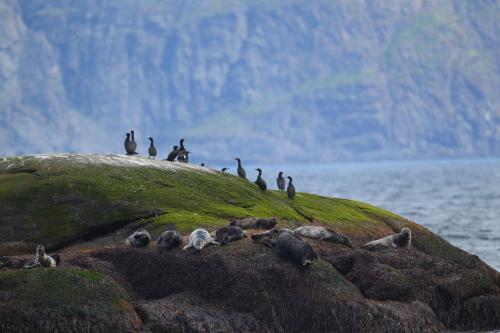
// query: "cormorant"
[[173, 154], [281, 181], [290, 190], [129, 148], [202, 164], [182, 150], [134, 144], [224, 169], [260, 182], [183, 156], [241, 171], [152, 149]]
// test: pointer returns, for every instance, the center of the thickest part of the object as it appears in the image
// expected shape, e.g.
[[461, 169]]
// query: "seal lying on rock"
[[268, 238], [41, 259], [322, 233], [255, 223], [228, 234], [169, 239], [401, 240], [199, 239], [140, 238], [291, 246]]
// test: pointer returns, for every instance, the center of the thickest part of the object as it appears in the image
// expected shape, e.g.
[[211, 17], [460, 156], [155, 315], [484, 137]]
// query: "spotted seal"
[[41, 259], [228, 234], [322, 233], [401, 240], [291, 246], [169, 239], [139, 238], [255, 223], [200, 238]]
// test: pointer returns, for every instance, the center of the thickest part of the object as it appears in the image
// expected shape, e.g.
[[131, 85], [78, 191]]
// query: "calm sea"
[[458, 200]]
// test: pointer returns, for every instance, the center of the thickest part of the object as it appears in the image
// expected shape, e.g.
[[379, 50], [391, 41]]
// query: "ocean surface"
[[458, 200]]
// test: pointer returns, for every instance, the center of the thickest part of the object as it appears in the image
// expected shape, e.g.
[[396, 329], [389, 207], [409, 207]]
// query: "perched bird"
[[290, 190], [183, 156], [241, 171], [134, 144], [260, 182], [182, 150], [224, 169], [152, 149], [281, 181], [173, 154], [202, 164], [129, 148]]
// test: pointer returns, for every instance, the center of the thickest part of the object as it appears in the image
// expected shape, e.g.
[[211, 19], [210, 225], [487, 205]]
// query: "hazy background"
[[270, 81]]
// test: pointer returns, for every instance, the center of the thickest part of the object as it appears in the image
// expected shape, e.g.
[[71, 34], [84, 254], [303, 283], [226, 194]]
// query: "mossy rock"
[[56, 300], [59, 199]]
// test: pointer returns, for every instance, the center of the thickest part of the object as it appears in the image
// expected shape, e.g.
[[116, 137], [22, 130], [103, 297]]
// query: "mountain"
[[300, 80]]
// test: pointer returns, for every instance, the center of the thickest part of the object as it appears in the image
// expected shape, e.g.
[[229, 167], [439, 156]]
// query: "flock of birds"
[[181, 154]]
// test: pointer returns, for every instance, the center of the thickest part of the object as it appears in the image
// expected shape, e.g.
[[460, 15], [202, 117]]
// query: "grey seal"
[[293, 247], [140, 238], [169, 239], [41, 259], [323, 233], [255, 223], [228, 234], [401, 240], [200, 238]]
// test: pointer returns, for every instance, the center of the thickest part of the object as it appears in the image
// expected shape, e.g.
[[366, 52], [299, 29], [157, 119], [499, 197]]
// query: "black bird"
[[281, 181], [183, 156], [202, 164], [134, 144], [260, 182], [224, 169], [173, 154], [182, 150], [152, 149], [241, 171], [290, 190], [129, 148]]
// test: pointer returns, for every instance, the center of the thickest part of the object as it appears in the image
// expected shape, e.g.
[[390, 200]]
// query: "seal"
[[169, 239], [200, 238], [291, 246], [401, 240], [228, 234], [255, 223], [323, 233], [139, 238], [268, 238], [41, 259]]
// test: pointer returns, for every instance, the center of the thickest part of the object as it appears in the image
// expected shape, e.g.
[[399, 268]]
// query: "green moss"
[[434, 245], [335, 281], [67, 292]]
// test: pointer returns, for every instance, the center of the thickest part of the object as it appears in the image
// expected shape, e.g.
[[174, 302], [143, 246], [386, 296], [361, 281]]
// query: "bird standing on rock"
[[281, 181], [182, 152], [290, 190], [129, 147], [183, 156], [224, 169], [173, 154], [260, 182], [152, 149], [241, 171], [134, 144]]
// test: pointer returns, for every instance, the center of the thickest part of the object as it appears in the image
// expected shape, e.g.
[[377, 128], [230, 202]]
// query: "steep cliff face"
[[362, 79]]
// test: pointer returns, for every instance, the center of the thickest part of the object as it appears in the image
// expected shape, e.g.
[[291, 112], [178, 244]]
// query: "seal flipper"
[[57, 258], [187, 247], [214, 242]]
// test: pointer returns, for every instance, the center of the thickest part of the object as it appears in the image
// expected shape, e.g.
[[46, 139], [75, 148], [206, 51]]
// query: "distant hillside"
[[360, 79]]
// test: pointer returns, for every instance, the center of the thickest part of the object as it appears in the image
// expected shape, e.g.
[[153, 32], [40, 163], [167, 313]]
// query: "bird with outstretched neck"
[[241, 171], [260, 182], [129, 148], [132, 140], [290, 190], [281, 181], [173, 154], [224, 169], [152, 149], [182, 151]]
